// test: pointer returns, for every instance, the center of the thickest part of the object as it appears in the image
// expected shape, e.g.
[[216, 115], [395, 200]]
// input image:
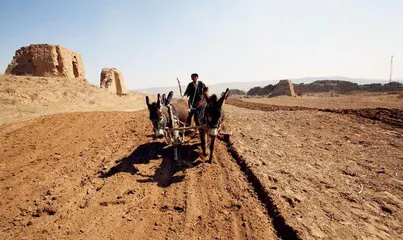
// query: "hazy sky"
[[153, 42]]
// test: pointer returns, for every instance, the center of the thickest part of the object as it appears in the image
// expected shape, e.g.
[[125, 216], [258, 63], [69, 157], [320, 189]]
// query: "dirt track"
[[97, 175]]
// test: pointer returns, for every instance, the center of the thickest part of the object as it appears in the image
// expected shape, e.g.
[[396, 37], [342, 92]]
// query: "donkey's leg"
[[203, 134], [177, 160], [212, 141]]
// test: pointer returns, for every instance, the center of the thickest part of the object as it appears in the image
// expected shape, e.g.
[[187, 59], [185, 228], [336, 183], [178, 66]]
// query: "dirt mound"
[[389, 116], [263, 106], [46, 60], [112, 79], [98, 175], [337, 101], [25, 96]]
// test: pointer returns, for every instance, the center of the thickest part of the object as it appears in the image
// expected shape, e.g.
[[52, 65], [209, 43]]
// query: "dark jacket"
[[195, 93]]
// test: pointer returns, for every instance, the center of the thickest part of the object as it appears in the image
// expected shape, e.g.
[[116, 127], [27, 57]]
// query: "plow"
[[168, 117], [175, 134]]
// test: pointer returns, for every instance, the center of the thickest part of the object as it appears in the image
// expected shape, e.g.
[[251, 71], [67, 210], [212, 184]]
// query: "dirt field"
[[98, 175], [23, 97], [337, 101], [287, 173], [332, 176]]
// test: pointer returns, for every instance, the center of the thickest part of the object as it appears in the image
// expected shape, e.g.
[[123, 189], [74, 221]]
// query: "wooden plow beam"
[[196, 127]]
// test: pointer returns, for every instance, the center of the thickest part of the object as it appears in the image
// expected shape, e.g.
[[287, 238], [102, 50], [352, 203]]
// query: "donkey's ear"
[[148, 102], [227, 94], [223, 97], [158, 99], [163, 99], [169, 98]]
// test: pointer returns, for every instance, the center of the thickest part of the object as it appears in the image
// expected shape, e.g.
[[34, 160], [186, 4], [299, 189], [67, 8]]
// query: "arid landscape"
[[299, 106], [78, 162], [23, 97]]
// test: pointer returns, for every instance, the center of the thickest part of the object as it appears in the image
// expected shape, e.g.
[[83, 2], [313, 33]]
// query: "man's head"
[[194, 77]]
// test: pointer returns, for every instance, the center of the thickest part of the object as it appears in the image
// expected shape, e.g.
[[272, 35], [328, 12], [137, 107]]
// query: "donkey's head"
[[214, 113], [158, 113]]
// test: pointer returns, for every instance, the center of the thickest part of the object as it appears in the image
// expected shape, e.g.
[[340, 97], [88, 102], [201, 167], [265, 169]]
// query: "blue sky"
[[152, 42]]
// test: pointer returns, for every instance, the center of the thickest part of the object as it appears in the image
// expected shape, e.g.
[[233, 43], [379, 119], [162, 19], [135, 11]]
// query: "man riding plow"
[[171, 117]]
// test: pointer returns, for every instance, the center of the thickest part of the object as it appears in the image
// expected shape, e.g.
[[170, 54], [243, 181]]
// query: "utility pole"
[[391, 69]]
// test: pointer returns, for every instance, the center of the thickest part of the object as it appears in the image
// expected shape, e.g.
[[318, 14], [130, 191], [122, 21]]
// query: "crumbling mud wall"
[[284, 88], [112, 79], [46, 60]]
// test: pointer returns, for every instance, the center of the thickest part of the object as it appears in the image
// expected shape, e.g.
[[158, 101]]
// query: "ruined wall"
[[329, 86], [346, 87], [112, 79], [45, 60], [284, 88]]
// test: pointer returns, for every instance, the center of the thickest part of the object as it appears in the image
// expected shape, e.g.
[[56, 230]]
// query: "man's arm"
[[186, 91]]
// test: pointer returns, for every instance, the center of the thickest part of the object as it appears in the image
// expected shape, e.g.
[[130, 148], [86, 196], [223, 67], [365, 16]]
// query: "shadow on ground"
[[165, 173]]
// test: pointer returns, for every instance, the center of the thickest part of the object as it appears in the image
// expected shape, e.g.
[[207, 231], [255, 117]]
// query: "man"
[[195, 91]]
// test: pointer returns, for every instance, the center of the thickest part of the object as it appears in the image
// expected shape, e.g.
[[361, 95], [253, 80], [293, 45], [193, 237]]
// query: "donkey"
[[211, 117], [159, 115]]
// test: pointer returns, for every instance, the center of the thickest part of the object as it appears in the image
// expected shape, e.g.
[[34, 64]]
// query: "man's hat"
[[194, 75]]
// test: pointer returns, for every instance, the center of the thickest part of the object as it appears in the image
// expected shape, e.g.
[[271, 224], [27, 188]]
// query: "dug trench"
[[98, 175], [283, 229]]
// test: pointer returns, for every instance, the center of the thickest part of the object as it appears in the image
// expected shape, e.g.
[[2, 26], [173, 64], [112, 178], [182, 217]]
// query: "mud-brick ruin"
[[284, 87], [112, 80], [46, 60]]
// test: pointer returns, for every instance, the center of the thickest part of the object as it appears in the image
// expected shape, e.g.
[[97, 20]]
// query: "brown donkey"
[[159, 114]]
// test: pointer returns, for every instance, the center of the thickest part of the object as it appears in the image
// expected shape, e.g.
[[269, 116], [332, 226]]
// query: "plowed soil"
[[331, 175], [99, 176], [307, 173], [389, 116], [263, 106]]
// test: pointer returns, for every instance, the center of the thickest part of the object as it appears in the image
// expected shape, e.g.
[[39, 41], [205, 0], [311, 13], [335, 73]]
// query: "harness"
[[174, 136], [203, 120]]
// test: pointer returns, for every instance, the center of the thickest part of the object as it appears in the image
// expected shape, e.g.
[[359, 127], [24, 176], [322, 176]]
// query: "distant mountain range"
[[220, 87]]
